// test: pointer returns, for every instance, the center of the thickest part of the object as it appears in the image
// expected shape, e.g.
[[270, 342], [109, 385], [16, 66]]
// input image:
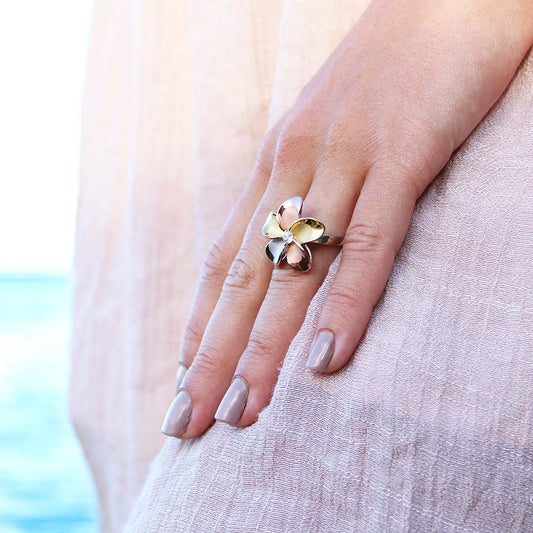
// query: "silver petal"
[[276, 250]]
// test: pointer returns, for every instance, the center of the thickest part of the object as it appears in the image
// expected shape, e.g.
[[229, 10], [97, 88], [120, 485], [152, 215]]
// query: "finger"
[[215, 266], [229, 327], [221, 253], [286, 302], [375, 233]]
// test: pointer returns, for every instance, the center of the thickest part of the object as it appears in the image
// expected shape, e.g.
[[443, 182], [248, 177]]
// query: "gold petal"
[[271, 227], [298, 257], [307, 230], [276, 250], [289, 211]]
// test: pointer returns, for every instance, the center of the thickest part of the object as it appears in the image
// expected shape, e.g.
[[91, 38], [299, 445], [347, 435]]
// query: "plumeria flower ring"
[[290, 235]]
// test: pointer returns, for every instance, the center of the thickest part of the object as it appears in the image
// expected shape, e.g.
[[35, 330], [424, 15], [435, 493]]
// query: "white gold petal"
[[276, 250], [299, 256]]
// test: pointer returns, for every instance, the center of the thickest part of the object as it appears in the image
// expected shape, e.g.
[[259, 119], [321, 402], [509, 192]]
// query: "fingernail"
[[178, 415], [232, 405], [179, 377], [321, 351]]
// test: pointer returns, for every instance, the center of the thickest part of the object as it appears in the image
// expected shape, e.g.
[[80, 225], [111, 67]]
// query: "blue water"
[[45, 485]]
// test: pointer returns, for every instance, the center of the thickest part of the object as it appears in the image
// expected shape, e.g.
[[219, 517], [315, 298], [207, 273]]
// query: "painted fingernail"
[[178, 415], [180, 374], [321, 351], [232, 405]]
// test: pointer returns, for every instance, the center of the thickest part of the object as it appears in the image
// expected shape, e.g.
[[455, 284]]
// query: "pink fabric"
[[429, 428], [178, 97]]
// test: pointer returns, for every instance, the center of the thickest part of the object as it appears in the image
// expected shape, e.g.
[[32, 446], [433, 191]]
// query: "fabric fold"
[[428, 428]]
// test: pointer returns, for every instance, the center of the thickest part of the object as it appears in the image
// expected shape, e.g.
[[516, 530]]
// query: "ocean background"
[[45, 484]]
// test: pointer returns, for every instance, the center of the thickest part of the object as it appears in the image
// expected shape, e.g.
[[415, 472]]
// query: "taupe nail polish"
[[232, 405], [321, 351], [180, 374], [178, 415]]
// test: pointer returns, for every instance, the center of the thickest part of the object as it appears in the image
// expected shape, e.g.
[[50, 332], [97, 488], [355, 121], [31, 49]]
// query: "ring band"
[[290, 235]]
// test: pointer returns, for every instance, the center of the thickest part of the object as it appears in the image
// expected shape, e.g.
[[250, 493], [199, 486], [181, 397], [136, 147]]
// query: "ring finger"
[[285, 304], [229, 327]]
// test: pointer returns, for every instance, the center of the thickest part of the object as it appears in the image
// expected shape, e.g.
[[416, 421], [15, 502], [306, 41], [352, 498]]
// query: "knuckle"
[[296, 139], [405, 170], [364, 238], [338, 143], [241, 275], [270, 140], [207, 362], [409, 178], [287, 283], [265, 154], [286, 151], [214, 267], [414, 164], [192, 336], [343, 298], [260, 347], [281, 277]]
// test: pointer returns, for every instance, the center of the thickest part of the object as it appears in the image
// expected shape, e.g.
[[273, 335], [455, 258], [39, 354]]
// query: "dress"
[[430, 425]]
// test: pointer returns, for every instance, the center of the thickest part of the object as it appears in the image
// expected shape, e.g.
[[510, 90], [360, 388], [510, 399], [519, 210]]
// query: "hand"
[[365, 137]]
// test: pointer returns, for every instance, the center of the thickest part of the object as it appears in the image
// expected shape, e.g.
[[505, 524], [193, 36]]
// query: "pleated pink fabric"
[[428, 428]]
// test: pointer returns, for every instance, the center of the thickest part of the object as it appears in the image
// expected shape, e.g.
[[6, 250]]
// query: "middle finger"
[[286, 302]]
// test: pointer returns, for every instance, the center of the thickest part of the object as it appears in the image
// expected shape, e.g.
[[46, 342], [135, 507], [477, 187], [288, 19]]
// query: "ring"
[[290, 235]]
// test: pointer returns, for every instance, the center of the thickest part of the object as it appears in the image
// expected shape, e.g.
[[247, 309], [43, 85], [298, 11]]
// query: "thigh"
[[428, 428]]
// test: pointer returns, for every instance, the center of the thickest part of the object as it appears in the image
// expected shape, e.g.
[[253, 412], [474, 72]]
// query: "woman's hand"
[[365, 137]]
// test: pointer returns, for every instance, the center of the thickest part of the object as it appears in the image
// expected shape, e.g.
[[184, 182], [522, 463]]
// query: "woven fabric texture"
[[430, 425]]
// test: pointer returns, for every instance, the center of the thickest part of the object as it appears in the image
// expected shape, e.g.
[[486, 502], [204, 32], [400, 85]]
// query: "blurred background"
[[45, 485]]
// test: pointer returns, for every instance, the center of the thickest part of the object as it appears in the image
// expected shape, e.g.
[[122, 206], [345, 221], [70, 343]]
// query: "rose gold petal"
[[299, 258], [289, 211], [288, 217]]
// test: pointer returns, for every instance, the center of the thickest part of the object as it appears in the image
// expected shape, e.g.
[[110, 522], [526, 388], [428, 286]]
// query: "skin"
[[365, 137]]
